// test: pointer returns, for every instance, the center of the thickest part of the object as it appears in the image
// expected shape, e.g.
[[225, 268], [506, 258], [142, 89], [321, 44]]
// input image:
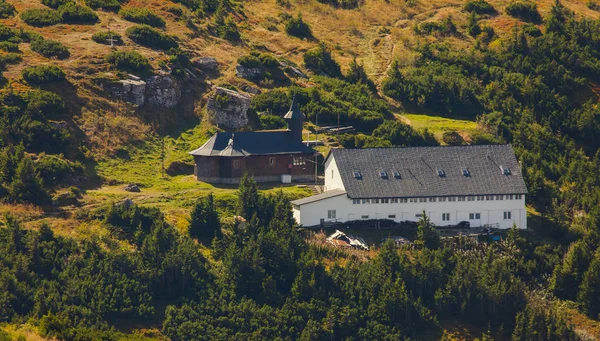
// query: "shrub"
[[43, 74], [532, 30], [258, 60], [347, 4], [298, 28], [55, 3], [9, 46], [142, 16], [50, 48], [151, 37], [7, 10], [128, 60], [41, 17], [53, 169], [453, 138], [6, 33], [74, 13], [43, 105], [228, 30], [479, 7], [445, 27], [109, 5], [319, 60], [10, 58], [103, 38], [271, 122], [524, 10]]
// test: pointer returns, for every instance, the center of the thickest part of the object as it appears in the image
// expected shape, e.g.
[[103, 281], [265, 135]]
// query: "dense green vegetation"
[[43, 74], [524, 10], [479, 7], [142, 16], [151, 37], [7, 10], [49, 48], [128, 60], [297, 27], [73, 13], [41, 17], [109, 5], [104, 38]]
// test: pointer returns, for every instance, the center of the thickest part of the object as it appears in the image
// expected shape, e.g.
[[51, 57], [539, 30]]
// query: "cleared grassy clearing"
[[439, 125]]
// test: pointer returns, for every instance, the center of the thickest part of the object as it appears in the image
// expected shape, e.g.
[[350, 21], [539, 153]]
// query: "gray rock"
[[132, 91], [251, 89], [295, 72], [132, 188], [252, 74], [133, 77], [206, 64], [163, 91], [228, 108]]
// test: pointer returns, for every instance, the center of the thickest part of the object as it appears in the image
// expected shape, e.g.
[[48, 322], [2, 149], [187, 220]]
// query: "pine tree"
[[204, 221], [427, 236], [473, 26], [26, 185], [247, 203], [589, 291]]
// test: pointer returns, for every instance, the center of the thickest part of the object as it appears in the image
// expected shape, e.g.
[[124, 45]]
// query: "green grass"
[[439, 125]]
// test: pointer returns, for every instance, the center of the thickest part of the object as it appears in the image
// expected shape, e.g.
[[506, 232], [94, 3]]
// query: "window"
[[441, 173], [355, 201], [385, 201], [499, 197], [392, 216], [330, 214], [271, 161], [432, 199], [236, 164], [364, 217], [366, 201], [461, 198], [471, 216], [465, 172], [507, 215], [299, 161], [505, 170], [480, 198], [413, 199], [471, 198], [383, 174], [332, 173], [509, 197], [403, 200], [357, 175], [474, 216], [418, 215], [477, 216], [375, 201], [518, 196], [422, 199], [451, 198], [442, 199], [445, 216], [394, 200], [489, 197], [397, 175]]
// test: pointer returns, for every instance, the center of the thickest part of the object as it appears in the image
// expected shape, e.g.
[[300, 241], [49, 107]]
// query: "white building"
[[479, 184]]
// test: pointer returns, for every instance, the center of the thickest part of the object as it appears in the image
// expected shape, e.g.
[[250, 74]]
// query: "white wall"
[[333, 179], [491, 212]]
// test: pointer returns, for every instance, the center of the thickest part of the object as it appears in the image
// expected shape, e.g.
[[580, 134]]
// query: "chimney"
[[295, 118]]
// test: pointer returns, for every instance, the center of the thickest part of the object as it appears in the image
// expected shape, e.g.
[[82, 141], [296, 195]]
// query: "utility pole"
[[316, 144]]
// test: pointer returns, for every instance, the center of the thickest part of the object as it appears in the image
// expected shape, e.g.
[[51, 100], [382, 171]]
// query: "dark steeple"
[[295, 118]]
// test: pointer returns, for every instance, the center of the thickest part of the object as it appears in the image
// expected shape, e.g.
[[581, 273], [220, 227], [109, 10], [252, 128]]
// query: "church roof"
[[429, 171], [252, 143], [294, 113]]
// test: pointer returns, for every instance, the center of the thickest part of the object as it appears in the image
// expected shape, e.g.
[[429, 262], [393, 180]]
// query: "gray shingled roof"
[[325, 195], [418, 168], [252, 143]]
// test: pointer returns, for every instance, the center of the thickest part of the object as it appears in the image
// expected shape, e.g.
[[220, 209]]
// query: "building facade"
[[266, 155], [479, 184]]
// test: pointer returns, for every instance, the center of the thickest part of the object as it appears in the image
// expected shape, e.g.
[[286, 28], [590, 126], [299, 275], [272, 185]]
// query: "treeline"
[[265, 282]]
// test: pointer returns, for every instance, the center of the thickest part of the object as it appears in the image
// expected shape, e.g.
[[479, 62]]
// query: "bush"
[[479, 7], [453, 138], [43, 105], [271, 122], [298, 28], [524, 10], [55, 3], [43, 74], [531, 30], [109, 5], [445, 27], [347, 4], [151, 37], [6, 33], [128, 60], [103, 38], [7, 10], [10, 58], [228, 30], [258, 60], [73, 13], [41, 17], [53, 169], [50, 48], [9, 46], [319, 60], [142, 16]]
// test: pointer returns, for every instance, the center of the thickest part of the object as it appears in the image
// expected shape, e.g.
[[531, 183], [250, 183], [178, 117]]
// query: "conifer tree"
[[427, 236], [589, 292], [204, 221], [26, 185], [247, 203], [473, 26]]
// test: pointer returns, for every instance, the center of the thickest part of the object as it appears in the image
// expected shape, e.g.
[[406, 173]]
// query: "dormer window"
[[357, 175], [465, 172], [441, 173], [505, 170], [383, 174], [397, 175]]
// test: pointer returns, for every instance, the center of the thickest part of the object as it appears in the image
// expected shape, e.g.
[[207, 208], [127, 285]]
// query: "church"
[[269, 156]]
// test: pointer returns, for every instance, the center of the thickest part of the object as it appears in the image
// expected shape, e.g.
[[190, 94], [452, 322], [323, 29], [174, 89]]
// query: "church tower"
[[295, 118]]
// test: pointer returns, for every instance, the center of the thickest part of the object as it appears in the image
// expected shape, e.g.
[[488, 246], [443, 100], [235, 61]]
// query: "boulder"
[[250, 73], [132, 91], [295, 72], [162, 91], [206, 64], [132, 188], [180, 168], [251, 89], [228, 108]]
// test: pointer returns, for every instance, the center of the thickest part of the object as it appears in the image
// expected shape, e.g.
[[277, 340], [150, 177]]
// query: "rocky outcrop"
[[162, 91], [250, 73], [132, 188], [228, 108], [180, 168], [206, 64], [131, 90]]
